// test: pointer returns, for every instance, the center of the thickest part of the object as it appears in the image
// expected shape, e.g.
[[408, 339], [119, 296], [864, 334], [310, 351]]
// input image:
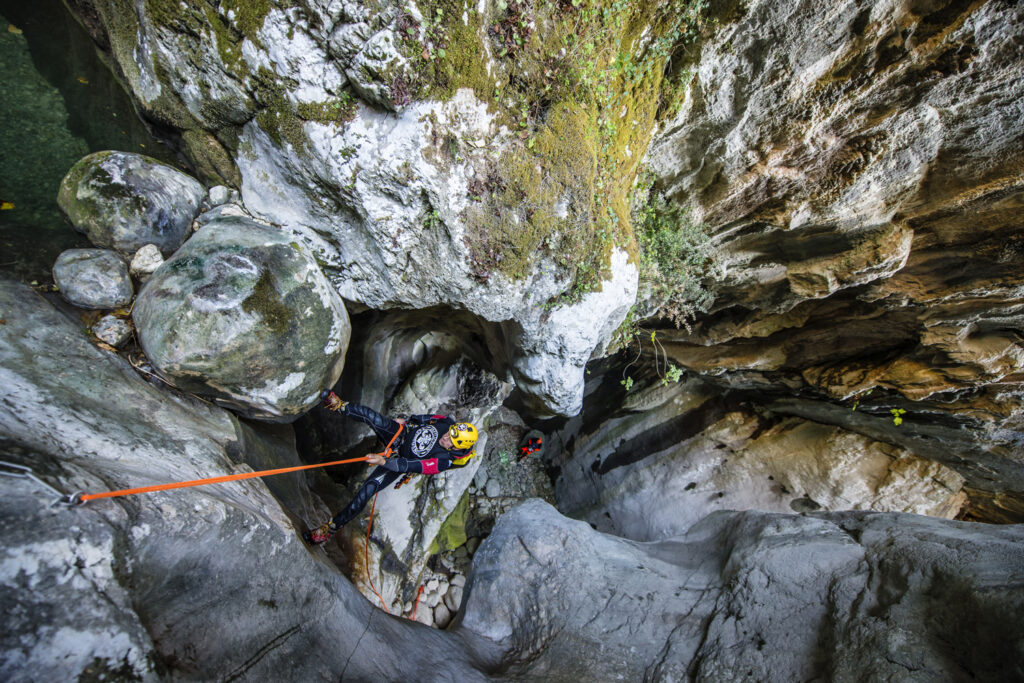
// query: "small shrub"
[[674, 259]]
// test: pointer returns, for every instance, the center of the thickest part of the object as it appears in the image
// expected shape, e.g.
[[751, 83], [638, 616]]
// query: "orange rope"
[[369, 526], [83, 497], [416, 605]]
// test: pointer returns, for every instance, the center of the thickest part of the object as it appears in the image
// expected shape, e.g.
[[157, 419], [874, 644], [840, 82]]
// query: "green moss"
[[265, 301], [580, 82], [282, 120], [249, 15], [452, 533]]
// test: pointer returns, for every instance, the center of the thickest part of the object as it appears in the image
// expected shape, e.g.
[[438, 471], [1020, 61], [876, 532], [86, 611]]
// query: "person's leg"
[[378, 479], [383, 427]]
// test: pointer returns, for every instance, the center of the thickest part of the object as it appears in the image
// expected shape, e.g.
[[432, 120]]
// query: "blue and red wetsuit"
[[417, 451]]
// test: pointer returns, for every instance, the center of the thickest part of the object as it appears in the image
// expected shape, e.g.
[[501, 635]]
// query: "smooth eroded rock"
[[93, 278], [125, 201], [243, 315]]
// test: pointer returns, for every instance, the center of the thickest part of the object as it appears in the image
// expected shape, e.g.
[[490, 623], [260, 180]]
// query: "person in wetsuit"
[[428, 444]]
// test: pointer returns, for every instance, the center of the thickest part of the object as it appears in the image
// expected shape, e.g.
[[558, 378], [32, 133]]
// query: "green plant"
[[674, 258], [666, 371], [897, 415]]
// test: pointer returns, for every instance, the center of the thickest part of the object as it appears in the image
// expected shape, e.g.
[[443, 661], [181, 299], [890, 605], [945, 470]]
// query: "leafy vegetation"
[[666, 371], [674, 258]]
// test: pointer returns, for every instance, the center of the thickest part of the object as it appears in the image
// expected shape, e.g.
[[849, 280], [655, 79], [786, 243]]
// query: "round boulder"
[[242, 314], [93, 278], [125, 201]]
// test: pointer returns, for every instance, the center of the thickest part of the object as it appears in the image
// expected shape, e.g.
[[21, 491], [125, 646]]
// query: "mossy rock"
[[124, 201], [243, 315]]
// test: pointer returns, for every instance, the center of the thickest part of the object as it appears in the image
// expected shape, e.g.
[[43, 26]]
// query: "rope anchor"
[[10, 469]]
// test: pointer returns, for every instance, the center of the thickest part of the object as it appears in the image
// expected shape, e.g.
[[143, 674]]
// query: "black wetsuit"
[[417, 450]]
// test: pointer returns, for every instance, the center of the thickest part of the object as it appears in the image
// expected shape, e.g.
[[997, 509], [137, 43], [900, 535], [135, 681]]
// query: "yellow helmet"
[[463, 435]]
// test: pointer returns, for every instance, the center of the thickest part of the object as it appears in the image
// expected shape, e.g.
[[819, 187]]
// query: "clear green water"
[[58, 103]]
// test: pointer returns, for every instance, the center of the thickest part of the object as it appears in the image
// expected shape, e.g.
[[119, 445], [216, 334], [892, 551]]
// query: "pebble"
[[459, 580], [112, 330], [431, 599], [472, 544], [442, 616], [433, 584], [453, 599], [493, 488]]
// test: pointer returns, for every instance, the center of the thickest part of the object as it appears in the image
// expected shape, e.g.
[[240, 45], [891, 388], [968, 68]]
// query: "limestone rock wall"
[[861, 168], [751, 595], [299, 107], [670, 454]]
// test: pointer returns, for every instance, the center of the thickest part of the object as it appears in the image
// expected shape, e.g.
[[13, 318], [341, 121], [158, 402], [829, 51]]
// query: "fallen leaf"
[[11, 28], [6, 206], [83, 81], [106, 346], [3, 321]]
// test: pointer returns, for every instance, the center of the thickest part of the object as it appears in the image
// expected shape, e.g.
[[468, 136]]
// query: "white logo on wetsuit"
[[424, 440]]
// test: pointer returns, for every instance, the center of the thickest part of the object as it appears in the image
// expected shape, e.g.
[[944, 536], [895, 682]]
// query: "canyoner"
[[422, 444]]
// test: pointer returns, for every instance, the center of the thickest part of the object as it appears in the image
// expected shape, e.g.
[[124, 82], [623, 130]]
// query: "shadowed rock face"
[[861, 175]]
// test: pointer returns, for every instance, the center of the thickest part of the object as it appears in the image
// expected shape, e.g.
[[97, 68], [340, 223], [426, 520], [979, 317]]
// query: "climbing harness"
[[10, 469]]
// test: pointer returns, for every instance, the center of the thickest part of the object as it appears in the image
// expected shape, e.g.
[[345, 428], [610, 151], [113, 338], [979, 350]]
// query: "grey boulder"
[[242, 314], [125, 201], [93, 278], [753, 596]]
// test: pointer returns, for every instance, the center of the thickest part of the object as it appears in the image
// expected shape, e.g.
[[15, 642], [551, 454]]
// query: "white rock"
[[432, 584], [147, 259], [453, 599], [218, 194], [459, 580], [493, 488], [112, 330], [442, 616]]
